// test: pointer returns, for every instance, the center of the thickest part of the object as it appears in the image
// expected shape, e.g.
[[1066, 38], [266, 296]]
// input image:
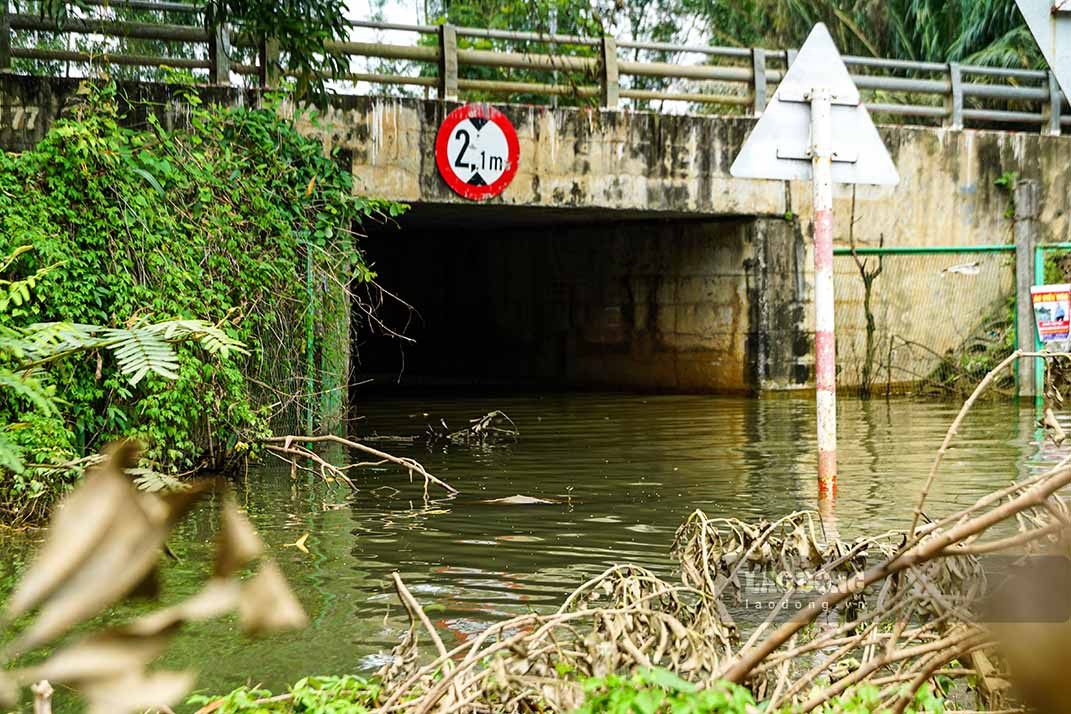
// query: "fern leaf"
[[152, 481], [29, 388], [211, 338], [140, 351], [10, 455]]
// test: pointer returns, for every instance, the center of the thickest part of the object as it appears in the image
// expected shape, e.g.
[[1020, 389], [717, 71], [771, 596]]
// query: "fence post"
[[611, 88], [1053, 110], [5, 38], [758, 80], [269, 63], [219, 71], [790, 58], [448, 63], [954, 102], [1026, 238]]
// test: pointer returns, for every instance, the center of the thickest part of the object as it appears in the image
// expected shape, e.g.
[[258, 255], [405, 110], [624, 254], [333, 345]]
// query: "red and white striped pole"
[[824, 339]]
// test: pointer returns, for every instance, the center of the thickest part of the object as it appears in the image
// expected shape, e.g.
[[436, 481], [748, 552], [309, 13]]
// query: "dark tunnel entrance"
[[555, 298]]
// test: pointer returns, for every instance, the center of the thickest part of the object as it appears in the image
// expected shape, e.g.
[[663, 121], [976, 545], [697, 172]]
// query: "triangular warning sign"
[[779, 146], [1050, 24]]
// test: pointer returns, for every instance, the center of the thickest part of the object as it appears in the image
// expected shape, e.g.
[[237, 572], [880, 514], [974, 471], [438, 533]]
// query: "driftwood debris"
[[894, 610], [492, 429], [296, 449]]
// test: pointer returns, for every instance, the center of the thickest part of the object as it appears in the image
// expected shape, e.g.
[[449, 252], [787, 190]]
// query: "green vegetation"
[[990, 32], [300, 28], [40, 434], [230, 220], [659, 690], [311, 695], [977, 31], [647, 692]]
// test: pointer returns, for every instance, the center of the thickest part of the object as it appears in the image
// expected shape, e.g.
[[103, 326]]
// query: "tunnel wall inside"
[[661, 305]]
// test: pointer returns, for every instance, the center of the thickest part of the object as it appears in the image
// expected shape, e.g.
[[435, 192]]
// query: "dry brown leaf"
[[9, 691], [267, 603], [102, 656], [128, 551], [210, 707], [135, 692], [81, 522], [218, 597], [123, 556], [176, 504], [238, 543]]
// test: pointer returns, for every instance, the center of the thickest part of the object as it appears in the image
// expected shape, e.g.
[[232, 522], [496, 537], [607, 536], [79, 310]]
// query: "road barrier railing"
[[599, 70]]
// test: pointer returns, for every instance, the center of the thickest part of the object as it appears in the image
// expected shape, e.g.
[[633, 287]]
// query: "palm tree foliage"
[[988, 32]]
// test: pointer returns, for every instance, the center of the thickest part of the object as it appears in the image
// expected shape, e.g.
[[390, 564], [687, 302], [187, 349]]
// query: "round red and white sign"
[[477, 151]]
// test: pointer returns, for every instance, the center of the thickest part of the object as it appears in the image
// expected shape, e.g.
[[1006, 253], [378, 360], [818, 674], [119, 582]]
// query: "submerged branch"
[[290, 445]]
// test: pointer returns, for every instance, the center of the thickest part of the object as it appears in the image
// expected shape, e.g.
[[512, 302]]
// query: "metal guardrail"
[[955, 95]]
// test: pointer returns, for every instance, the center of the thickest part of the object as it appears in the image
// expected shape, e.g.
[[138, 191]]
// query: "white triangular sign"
[[779, 145], [1050, 24]]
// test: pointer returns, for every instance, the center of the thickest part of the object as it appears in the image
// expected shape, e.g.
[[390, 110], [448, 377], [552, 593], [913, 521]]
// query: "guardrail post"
[[1053, 110], [954, 101], [448, 63], [1026, 238], [758, 80], [219, 71], [5, 37], [269, 63], [611, 88]]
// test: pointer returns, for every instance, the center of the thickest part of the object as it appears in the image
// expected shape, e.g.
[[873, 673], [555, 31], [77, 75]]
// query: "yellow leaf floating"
[[299, 544]]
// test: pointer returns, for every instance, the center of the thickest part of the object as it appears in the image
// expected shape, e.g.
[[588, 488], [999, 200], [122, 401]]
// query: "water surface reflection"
[[628, 468]]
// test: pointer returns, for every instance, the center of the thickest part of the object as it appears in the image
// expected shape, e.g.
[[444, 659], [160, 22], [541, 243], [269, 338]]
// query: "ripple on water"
[[629, 468]]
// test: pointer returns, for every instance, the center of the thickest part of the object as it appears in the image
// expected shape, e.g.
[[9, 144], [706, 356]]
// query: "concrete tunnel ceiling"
[[567, 297], [496, 215]]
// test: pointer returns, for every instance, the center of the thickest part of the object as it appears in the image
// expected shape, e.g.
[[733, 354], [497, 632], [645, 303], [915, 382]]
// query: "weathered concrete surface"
[[584, 159], [664, 305], [635, 161], [29, 105], [568, 157], [579, 163], [588, 158]]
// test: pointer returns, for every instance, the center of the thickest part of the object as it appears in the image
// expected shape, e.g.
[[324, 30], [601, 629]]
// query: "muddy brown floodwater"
[[629, 469]]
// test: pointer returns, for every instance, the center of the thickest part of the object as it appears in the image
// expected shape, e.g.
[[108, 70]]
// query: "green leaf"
[[667, 680], [151, 179]]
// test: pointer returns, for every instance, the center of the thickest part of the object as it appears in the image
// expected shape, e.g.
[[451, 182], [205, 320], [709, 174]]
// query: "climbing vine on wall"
[[229, 219]]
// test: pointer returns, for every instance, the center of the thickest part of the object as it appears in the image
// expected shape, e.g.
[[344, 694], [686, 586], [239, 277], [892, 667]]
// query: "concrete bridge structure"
[[623, 254]]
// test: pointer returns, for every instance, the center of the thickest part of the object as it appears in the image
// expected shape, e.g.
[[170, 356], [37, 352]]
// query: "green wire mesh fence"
[[923, 321]]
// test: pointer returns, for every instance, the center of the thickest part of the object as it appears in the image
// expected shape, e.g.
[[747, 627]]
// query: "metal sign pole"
[[824, 322], [793, 141]]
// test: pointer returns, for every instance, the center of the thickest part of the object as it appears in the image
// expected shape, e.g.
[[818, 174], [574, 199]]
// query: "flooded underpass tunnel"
[[584, 299]]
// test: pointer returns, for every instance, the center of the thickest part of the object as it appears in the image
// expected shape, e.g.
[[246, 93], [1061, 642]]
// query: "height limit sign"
[[477, 151]]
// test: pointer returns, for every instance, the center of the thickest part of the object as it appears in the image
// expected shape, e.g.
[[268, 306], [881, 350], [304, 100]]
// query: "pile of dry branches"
[[894, 610]]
